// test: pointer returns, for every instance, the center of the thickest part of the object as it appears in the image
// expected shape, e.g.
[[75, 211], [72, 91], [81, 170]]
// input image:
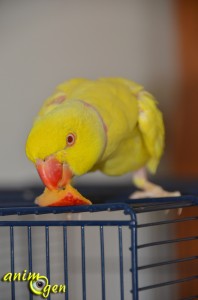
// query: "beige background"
[[44, 42]]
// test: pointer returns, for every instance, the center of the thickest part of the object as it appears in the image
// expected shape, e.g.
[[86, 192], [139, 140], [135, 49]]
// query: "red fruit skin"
[[70, 200]]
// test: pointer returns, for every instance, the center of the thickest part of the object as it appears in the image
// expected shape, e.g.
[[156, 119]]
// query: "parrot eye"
[[70, 139]]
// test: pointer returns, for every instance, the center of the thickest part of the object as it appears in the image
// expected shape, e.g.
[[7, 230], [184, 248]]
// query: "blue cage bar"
[[131, 219]]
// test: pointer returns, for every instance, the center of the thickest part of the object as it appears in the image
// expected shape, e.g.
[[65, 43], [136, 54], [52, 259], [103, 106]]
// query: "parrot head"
[[67, 141]]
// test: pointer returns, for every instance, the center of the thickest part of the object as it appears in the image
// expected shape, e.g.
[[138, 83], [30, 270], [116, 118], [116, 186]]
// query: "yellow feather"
[[151, 127]]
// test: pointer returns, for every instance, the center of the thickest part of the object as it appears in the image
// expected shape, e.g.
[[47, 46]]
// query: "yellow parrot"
[[109, 124]]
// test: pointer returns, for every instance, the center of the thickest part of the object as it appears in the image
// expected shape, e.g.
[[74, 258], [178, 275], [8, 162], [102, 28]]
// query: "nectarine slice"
[[67, 197]]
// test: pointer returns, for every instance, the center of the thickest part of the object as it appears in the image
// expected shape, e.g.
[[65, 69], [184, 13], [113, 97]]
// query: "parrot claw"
[[156, 192], [149, 189]]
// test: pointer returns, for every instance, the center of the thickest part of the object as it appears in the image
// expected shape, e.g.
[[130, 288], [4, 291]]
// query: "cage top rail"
[[126, 205]]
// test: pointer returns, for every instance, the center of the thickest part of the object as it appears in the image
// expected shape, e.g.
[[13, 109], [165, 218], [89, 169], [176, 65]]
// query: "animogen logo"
[[38, 284]]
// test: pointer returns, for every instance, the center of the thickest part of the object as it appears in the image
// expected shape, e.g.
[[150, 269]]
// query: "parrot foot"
[[149, 189], [156, 192]]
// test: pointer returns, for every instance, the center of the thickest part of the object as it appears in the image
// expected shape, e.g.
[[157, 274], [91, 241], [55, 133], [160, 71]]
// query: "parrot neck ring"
[[101, 120], [54, 175]]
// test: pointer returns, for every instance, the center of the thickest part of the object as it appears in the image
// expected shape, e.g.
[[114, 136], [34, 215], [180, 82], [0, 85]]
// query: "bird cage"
[[119, 251]]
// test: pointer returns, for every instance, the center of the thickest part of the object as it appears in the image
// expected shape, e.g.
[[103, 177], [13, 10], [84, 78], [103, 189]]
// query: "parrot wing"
[[150, 121], [151, 126]]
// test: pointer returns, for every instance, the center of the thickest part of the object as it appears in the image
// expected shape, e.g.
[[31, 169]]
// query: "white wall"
[[44, 42]]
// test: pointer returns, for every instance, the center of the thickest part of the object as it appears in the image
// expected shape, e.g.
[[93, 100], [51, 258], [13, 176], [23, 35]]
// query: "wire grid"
[[133, 221]]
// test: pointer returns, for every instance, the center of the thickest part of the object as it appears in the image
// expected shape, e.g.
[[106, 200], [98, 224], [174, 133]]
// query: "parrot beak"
[[54, 175]]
